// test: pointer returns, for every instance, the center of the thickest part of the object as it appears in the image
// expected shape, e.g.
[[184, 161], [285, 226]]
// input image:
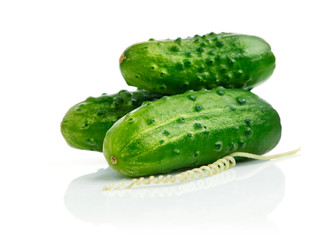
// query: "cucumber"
[[84, 126], [190, 130], [174, 66]]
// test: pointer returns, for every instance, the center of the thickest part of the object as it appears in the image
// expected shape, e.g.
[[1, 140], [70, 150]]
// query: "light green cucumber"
[[190, 130], [174, 66], [85, 124]]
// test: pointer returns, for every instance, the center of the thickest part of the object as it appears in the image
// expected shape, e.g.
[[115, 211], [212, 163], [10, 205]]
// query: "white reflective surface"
[[249, 191]]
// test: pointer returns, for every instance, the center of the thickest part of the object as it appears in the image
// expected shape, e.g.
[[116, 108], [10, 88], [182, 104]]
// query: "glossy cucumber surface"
[[85, 124], [174, 66], [190, 130]]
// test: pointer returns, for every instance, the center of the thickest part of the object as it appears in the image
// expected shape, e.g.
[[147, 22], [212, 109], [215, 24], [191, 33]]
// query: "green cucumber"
[[85, 124], [174, 66], [190, 130]]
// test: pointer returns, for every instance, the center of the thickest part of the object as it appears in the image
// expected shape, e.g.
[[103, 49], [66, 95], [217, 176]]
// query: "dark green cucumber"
[[85, 124], [174, 66], [190, 130]]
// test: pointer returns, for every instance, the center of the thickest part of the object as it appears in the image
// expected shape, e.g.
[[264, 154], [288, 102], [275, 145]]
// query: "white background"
[[54, 54]]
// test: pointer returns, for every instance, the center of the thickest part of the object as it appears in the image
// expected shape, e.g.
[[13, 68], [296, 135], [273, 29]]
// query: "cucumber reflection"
[[251, 190]]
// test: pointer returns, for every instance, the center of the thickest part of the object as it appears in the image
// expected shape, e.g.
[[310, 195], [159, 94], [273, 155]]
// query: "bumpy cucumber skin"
[[174, 66], [190, 130], [84, 126]]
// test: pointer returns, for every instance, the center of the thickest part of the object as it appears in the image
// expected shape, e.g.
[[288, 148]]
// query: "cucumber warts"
[[191, 130], [85, 124], [174, 66]]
